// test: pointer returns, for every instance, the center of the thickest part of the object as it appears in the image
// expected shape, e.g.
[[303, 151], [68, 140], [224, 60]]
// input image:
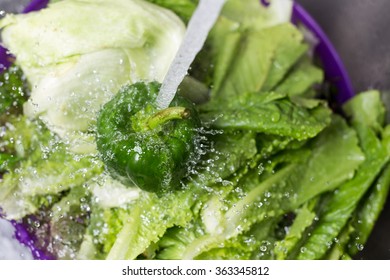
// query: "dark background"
[[13, 5], [360, 32]]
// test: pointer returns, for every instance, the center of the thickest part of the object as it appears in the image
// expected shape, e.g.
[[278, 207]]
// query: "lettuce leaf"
[[43, 168], [341, 204]]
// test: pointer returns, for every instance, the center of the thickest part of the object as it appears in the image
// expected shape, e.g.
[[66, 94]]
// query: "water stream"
[[198, 28]]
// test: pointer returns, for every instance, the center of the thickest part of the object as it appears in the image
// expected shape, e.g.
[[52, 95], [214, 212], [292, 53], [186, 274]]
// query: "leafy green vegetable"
[[44, 168], [142, 222], [345, 199], [236, 35], [69, 222], [150, 216], [255, 60], [259, 196], [13, 92], [225, 155], [277, 174], [305, 217], [367, 109], [271, 113], [301, 79], [368, 214]]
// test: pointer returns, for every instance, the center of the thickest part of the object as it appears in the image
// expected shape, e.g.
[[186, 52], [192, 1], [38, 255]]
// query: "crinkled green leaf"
[[303, 78], [255, 61], [13, 91], [305, 217], [278, 117], [45, 166], [368, 214], [345, 199]]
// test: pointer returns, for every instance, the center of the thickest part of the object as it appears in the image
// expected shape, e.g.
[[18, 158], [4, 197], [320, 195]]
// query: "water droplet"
[[275, 117], [226, 183], [263, 248], [359, 246], [260, 169]]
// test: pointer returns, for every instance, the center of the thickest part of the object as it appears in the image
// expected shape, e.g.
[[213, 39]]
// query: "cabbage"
[[76, 63]]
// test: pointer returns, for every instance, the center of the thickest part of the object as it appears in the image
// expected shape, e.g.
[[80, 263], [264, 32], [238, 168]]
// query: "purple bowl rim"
[[25, 238], [35, 5], [334, 69]]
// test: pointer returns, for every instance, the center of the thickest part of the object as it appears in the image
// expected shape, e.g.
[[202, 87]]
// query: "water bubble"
[[359, 246], [226, 183], [263, 248], [260, 169], [275, 117]]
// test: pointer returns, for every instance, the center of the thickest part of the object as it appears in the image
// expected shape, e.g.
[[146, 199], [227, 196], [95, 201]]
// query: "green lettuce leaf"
[[341, 204], [13, 92], [303, 77], [368, 213], [304, 218], [271, 113], [254, 61], [42, 169], [268, 193]]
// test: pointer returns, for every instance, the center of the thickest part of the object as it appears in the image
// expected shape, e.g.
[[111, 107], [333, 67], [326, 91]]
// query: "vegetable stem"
[[170, 113]]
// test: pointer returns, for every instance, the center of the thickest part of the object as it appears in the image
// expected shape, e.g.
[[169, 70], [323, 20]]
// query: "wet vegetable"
[[12, 91], [143, 145], [276, 175], [70, 82]]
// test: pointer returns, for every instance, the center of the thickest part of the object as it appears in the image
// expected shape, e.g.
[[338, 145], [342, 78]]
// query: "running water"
[[199, 26]]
